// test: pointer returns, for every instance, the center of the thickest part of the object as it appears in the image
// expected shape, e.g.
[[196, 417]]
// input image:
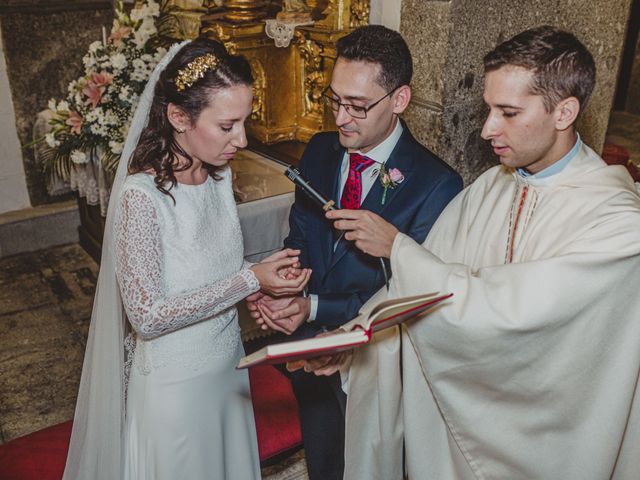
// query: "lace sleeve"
[[139, 268], [247, 264]]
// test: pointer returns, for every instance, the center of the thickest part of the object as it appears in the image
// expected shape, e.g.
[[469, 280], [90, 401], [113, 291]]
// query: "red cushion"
[[276, 411], [38, 456], [41, 455], [616, 155]]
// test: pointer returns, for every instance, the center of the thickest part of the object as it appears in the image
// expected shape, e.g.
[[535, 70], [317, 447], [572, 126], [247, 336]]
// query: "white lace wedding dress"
[[181, 272]]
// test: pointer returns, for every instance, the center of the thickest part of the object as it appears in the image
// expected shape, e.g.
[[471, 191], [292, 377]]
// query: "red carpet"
[[41, 455], [276, 412]]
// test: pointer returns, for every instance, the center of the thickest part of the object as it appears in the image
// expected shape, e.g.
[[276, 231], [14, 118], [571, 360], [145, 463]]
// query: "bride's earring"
[[181, 130]]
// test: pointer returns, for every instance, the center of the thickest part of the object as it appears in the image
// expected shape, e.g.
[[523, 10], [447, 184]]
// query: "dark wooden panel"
[[52, 6]]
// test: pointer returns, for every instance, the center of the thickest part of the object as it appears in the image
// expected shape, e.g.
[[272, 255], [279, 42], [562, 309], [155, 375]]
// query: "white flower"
[[124, 93], [105, 63], [50, 138], [51, 105], [108, 118], [133, 100], [92, 115], [79, 157], [99, 130], [72, 86], [151, 9], [93, 48], [140, 71], [119, 62], [161, 52], [89, 61], [146, 29], [63, 106], [116, 147]]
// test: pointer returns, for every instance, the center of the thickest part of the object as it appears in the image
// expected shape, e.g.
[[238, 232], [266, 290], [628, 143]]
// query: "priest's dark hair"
[[157, 148], [381, 45], [562, 66]]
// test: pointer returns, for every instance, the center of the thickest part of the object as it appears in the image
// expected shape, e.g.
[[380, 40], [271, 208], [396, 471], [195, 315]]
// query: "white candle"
[[104, 36]]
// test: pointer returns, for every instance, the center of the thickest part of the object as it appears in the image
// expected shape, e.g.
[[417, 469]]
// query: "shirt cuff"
[[313, 309]]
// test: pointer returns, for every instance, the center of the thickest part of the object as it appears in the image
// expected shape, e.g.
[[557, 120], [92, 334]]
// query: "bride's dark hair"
[[157, 148]]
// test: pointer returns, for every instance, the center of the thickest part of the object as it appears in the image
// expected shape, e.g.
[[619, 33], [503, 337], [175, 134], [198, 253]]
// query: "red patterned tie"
[[353, 187]]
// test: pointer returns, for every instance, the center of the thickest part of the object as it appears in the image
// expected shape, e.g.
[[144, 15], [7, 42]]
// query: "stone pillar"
[[13, 183], [385, 12], [448, 39]]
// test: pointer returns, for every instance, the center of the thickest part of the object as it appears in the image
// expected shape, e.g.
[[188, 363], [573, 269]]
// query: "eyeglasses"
[[356, 111]]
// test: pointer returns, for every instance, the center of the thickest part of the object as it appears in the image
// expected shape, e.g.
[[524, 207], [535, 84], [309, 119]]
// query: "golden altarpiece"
[[288, 79]]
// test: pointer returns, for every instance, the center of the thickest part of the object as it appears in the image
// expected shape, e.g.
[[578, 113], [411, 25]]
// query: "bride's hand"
[[275, 282], [289, 272]]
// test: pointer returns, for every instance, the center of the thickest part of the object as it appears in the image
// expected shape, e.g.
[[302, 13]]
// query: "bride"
[[173, 258]]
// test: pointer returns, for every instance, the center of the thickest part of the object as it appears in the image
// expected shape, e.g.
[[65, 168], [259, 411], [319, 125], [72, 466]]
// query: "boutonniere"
[[390, 179]]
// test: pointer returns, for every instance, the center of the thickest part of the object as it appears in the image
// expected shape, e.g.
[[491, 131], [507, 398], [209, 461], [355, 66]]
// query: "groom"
[[372, 163]]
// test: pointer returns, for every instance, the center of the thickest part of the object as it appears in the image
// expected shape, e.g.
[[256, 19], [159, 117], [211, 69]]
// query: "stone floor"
[[45, 309]]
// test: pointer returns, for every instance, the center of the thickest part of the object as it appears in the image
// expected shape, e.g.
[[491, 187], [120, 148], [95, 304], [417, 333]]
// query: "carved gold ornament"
[[195, 70]]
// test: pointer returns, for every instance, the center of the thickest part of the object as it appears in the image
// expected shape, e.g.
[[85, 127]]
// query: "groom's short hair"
[[383, 46]]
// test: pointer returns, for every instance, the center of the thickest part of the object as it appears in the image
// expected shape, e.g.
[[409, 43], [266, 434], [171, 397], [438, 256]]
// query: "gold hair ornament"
[[195, 70]]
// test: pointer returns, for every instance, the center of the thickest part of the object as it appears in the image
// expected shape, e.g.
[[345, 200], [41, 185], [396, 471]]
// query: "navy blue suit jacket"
[[346, 278]]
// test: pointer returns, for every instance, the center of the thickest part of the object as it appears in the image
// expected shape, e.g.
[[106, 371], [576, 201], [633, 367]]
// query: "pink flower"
[[116, 36], [74, 121], [101, 79], [95, 87], [396, 175], [390, 179]]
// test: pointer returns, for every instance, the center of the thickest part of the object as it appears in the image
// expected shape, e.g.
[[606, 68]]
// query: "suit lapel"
[[401, 159], [331, 188]]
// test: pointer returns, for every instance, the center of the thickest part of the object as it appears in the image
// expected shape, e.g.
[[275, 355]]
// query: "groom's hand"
[[284, 316], [370, 232]]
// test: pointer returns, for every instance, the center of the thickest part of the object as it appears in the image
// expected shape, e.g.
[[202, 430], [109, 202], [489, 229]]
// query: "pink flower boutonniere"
[[390, 179]]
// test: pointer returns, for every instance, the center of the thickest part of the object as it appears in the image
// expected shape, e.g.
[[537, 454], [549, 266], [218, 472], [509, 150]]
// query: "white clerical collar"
[[381, 152], [556, 167]]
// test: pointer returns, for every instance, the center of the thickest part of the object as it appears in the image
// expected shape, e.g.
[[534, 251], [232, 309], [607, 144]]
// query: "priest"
[[531, 370]]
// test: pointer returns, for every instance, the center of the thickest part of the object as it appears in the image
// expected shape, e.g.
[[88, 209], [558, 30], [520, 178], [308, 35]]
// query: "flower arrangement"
[[390, 179], [95, 115]]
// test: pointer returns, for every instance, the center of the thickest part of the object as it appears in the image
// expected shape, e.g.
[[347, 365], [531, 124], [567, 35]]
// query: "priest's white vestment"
[[531, 370]]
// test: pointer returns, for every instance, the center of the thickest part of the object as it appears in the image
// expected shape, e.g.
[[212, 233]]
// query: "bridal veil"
[[96, 448]]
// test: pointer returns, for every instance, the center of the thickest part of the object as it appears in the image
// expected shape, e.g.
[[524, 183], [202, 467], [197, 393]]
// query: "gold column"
[[243, 11]]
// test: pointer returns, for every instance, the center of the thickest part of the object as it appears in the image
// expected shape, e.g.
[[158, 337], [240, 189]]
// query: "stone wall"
[[44, 42], [448, 40]]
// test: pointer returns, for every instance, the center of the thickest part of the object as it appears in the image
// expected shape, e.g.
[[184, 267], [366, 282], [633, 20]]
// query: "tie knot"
[[359, 162]]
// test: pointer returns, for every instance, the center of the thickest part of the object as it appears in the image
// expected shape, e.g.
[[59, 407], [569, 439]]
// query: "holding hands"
[[284, 314], [280, 273]]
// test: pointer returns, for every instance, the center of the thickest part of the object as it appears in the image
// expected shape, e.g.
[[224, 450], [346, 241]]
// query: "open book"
[[384, 315]]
